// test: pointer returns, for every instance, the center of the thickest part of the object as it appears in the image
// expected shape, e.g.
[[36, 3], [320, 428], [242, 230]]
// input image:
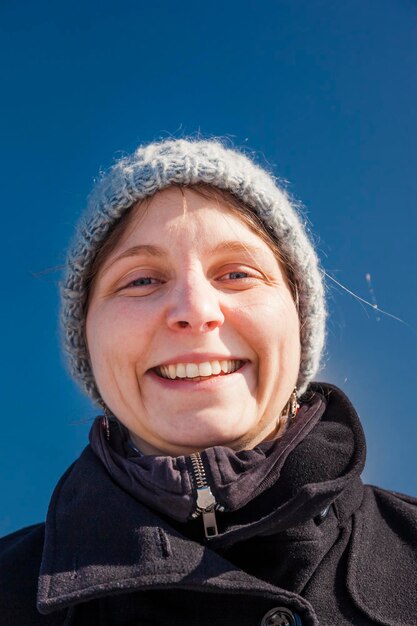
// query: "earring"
[[105, 422], [292, 406]]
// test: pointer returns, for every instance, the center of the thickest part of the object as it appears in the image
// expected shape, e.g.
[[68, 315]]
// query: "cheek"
[[288, 339], [271, 325], [279, 353], [116, 335], [288, 330]]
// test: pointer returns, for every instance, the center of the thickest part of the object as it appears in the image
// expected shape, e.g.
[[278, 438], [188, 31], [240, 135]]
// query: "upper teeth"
[[194, 370]]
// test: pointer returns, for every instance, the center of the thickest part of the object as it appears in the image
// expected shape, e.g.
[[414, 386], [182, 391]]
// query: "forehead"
[[181, 212]]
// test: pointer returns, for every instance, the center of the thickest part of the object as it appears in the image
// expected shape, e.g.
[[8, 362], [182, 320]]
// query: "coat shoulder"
[[395, 497], [13, 538], [383, 558], [20, 559], [21, 547]]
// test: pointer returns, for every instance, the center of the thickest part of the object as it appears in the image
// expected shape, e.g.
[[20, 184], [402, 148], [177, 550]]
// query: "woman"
[[221, 486]]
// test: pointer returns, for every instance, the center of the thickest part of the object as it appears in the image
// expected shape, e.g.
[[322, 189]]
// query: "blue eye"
[[235, 275], [144, 281]]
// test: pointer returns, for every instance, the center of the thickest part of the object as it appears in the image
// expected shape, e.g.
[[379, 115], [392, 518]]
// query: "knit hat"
[[188, 162]]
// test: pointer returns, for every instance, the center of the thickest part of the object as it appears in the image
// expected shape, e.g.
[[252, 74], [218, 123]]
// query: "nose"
[[195, 306]]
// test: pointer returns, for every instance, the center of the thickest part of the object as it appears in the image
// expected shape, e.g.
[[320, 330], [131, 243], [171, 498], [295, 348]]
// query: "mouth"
[[198, 371]]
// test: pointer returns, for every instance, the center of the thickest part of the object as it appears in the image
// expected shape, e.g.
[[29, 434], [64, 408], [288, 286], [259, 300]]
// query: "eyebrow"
[[154, 251], [236, 246], [143, 250]]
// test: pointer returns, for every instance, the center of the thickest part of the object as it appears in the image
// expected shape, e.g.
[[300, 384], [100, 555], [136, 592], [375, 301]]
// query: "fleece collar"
[[100, 539], [167, 484]]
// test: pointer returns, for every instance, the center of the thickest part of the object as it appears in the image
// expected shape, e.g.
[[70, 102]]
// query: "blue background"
[[323, 91]]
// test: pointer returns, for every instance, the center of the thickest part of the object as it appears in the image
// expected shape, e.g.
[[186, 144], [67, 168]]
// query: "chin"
[[215, 435]]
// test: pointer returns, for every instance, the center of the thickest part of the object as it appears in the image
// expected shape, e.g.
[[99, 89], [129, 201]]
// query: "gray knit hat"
[[187, 162]]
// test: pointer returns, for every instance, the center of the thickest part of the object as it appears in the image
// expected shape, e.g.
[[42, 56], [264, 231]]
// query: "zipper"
[[206, 504]]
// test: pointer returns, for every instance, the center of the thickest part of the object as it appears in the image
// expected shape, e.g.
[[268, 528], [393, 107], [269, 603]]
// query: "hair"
[[209, 192]]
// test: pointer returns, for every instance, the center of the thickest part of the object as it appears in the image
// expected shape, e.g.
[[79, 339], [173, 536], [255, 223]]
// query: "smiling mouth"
[[197, 371]]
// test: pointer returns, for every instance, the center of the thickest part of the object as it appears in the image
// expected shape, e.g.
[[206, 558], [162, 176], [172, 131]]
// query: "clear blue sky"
[[325, 92]]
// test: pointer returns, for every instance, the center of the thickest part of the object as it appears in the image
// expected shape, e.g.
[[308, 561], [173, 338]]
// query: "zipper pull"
[[206, 503]]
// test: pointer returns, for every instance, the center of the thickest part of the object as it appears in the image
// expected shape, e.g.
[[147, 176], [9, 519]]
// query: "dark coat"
[[332, 552]]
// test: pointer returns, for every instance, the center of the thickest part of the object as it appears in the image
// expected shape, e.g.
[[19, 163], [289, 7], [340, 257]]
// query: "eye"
[[140, 285], [143, 281], [240, 276], [237, 275]]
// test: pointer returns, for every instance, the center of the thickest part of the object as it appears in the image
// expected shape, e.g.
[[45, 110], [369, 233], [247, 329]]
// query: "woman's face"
[[192, 330]]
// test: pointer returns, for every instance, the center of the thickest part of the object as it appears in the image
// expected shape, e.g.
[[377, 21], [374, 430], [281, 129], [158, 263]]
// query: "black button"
[[280, 616]]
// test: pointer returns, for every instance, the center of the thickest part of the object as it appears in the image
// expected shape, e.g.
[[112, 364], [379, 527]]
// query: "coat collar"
[[92, 550]]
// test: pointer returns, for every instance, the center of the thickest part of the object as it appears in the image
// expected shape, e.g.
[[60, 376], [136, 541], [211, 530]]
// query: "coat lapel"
[[99, 540], [382, 556]]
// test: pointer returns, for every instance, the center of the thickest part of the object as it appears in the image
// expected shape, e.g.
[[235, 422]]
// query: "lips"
[[206, 369]]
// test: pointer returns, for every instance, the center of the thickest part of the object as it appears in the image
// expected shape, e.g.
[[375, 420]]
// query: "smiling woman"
[[220, 485], [192, 330]]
